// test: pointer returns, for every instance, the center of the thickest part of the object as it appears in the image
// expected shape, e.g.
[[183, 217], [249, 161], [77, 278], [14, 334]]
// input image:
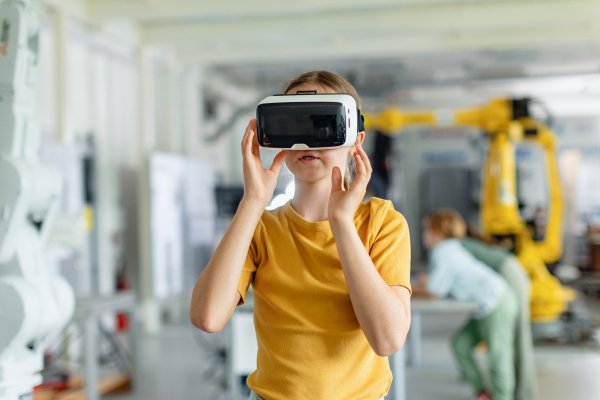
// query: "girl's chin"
[[309, 177], [310, 172]]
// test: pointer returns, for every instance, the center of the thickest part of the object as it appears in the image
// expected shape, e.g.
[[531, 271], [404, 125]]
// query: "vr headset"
[[307, 120]]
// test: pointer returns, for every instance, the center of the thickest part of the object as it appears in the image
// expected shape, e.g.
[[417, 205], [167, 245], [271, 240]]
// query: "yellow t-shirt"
[[310, 344]]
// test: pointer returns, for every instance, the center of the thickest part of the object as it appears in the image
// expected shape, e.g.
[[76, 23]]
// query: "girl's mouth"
[[308, 159]]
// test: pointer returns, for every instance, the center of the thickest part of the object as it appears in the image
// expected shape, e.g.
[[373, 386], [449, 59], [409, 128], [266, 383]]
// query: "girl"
[[454, 271], [330, 275]]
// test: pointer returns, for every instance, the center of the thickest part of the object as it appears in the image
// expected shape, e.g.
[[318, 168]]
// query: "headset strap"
[[361, 121]]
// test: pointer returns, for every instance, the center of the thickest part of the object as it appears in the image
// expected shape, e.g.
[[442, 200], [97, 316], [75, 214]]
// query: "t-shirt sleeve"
[[390, 251], [441, 277], [250, 267]]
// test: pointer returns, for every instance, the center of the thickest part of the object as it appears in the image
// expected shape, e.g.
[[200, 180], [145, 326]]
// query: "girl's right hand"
[[259, 183]]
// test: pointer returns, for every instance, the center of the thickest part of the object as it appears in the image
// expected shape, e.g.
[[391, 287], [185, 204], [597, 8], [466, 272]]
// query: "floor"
[[565, 372], [182, 363]]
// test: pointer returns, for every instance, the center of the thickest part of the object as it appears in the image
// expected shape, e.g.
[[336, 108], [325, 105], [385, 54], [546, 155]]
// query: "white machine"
[[34, 304]]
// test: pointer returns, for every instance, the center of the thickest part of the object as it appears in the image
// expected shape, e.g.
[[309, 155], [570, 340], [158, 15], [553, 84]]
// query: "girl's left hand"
[[343, 204]]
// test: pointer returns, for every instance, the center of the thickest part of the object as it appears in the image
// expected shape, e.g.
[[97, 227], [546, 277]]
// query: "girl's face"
[[315, 165]]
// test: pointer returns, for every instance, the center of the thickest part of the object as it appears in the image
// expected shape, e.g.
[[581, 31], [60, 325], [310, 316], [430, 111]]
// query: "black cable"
[[549, 118]]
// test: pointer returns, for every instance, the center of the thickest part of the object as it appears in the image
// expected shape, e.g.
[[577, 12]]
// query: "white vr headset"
[[307, 120]]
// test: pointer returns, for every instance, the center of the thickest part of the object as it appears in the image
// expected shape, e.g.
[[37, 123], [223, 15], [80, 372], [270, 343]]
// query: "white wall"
[[100, 100]]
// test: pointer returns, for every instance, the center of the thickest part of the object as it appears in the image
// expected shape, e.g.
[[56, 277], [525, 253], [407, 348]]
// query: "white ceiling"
[[411, 52], [242, 31]]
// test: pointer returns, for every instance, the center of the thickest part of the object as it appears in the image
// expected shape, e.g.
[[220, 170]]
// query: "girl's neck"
[[311, 199]]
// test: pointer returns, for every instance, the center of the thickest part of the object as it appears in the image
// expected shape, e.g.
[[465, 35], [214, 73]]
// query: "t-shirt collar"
[[301, 222]]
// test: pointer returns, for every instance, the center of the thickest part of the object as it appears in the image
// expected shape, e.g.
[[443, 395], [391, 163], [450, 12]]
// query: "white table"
[[420, 306], [87, 311]]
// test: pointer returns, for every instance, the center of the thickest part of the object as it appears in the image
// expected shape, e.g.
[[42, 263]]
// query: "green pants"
[[498, 330], [518, 280]]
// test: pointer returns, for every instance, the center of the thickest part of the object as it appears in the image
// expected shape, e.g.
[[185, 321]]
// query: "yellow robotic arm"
[[500, 215], [507, 122], [392, 120], [490, 118]]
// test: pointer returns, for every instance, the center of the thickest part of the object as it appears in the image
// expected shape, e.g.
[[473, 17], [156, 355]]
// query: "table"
[[87, 311], [420, 306]]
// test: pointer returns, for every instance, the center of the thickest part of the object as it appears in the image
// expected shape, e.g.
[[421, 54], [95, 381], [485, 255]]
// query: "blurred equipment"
[[432, 169], [381, 162], [593, 234], [507, 122], [228, 199], [567, 273], [34, 305]]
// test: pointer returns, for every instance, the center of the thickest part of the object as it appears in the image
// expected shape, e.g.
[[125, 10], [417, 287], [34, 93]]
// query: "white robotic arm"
[[34, 304]]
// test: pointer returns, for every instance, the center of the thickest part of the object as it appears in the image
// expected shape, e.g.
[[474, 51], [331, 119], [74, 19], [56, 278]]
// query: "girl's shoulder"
[[376, 208], [375, 205], [380, 215]]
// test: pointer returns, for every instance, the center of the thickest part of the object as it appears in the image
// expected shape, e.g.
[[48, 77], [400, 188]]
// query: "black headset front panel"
[[316, 124]]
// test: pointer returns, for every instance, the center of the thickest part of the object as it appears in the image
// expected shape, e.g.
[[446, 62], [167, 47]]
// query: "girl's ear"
[[360, 137]]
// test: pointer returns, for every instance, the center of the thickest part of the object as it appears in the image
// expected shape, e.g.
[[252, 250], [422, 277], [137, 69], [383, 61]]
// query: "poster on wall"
[[182, 218], [199, 202], [166, 218]]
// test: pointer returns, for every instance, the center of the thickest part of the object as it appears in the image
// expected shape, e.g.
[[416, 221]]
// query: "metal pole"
[[134, 340], [91, 357], [398, 391], [414, 340]]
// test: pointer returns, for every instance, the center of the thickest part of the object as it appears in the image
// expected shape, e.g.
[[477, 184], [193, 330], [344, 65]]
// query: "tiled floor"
[[173, 365]]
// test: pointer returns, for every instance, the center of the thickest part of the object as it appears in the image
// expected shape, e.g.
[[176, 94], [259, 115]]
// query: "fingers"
[[336, 180], [250, 146], [245, 136], [363, 170], [365, 158], [247, 142], [255, 145], [278, 161]]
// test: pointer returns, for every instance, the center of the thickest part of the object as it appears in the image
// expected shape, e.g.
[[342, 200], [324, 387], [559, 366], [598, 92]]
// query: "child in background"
[[454, 271], [509, 267]]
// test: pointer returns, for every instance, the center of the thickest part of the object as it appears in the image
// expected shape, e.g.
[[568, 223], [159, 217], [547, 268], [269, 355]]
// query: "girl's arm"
[[216, 293], [383, 311]]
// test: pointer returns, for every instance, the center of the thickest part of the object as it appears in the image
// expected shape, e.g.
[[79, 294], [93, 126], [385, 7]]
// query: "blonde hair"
[[338, 84], [448, 223]]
